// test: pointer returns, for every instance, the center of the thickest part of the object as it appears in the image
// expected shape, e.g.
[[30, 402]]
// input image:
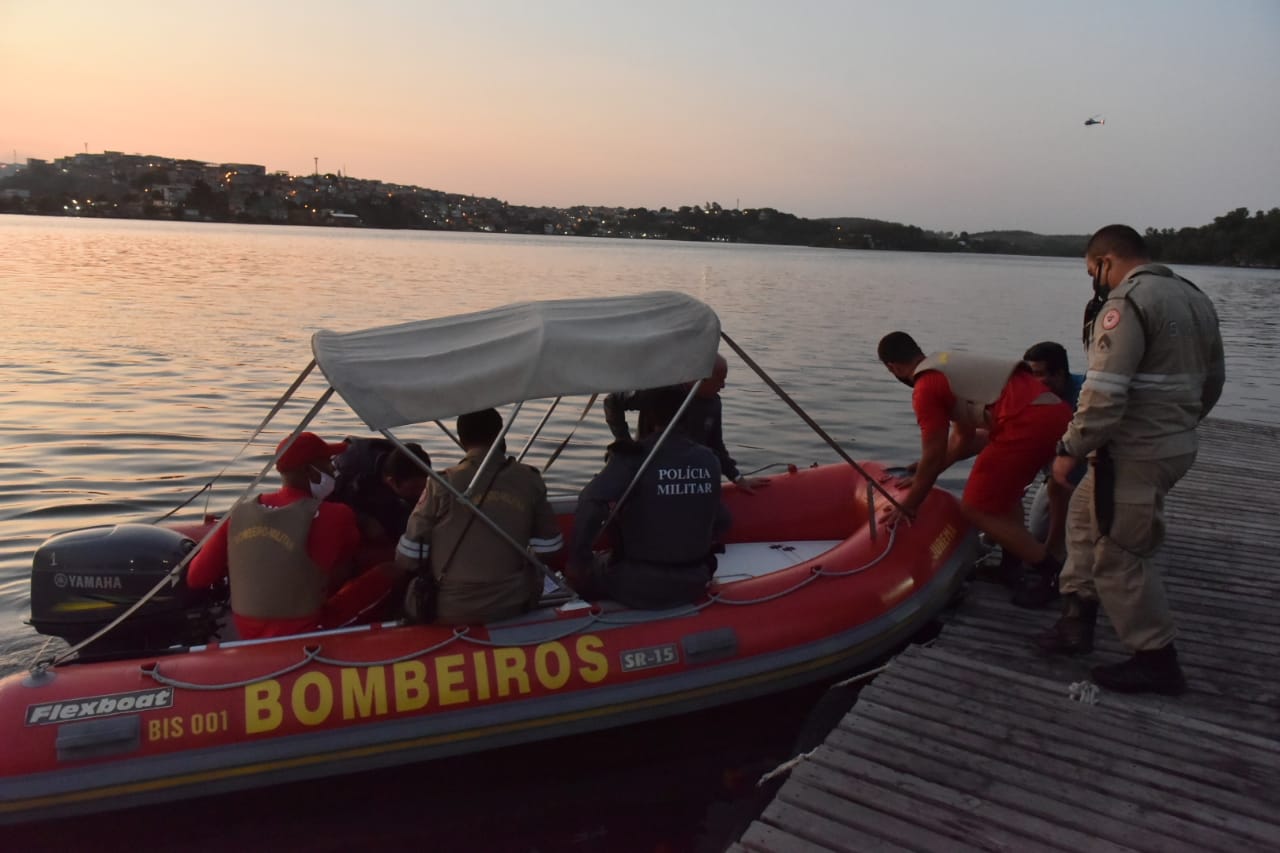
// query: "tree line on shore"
[[1234, 239]]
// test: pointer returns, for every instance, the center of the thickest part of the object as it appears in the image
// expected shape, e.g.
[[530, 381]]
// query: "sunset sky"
[[948, 115]]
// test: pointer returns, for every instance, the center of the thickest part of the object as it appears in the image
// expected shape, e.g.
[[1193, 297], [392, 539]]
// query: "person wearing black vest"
[[664, 534]]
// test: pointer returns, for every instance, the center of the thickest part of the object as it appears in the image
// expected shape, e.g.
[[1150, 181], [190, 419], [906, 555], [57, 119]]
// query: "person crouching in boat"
[[666, 530], [382, 483], [479, 576], [285, 552], [995, 408]]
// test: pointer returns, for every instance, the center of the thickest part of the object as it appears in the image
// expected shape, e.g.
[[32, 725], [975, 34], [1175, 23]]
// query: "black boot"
[[1154, 671], [1072, 634], [1039, 586]]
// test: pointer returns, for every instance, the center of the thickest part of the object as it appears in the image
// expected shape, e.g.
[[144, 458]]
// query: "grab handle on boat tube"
[[813, 425]]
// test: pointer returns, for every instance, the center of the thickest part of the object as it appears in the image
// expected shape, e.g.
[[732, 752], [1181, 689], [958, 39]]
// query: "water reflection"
[[139, 356]]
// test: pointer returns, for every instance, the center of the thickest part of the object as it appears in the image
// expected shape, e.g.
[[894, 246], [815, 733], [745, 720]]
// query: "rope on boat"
[[462, 633], [862, 676], [818, 571], [595, 615], [400, 659], [785, 767], [310, 653]]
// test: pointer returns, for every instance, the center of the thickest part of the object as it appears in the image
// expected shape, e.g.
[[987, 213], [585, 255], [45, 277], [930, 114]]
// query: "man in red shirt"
[[995, 408], [278, 587]]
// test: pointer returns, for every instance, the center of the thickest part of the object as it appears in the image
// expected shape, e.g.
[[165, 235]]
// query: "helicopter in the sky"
[[1091, 120]]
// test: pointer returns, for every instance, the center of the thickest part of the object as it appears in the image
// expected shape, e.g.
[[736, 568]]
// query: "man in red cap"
[[285, 552]]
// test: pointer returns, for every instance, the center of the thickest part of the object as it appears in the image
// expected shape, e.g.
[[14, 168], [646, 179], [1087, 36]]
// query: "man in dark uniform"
[[703, 422], [665, 532]]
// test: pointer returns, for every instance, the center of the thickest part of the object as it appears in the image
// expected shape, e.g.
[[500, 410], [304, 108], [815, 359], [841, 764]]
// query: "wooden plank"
[[1104, 806], [912, 834], [938, 663], [764, 838], [983, 597], [1255, 672], [1046, 751], [978, 821], [824, 832], [1035, 726], [1200, 644], [973, 743], [1055, 800], [1021, 624], [1161, 741], [989, 603], [1258, 719]]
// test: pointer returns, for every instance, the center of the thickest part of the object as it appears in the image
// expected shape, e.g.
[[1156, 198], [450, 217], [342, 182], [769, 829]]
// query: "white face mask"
[[325, 487]]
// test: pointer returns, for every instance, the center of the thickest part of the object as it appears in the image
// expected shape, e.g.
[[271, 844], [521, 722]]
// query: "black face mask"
[[1100, 294], [1100, 290]]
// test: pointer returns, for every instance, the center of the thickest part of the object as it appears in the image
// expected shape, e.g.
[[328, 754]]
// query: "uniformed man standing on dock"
[[1155, 370]]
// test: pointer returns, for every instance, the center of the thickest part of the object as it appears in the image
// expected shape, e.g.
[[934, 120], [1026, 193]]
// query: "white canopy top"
[[431, 369]]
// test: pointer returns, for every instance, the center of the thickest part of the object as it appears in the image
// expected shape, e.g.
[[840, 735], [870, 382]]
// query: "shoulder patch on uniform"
[[1111, 319], [1104, 343]]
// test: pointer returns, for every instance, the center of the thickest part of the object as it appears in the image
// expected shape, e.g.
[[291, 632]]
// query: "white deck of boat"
[[975, 744], [742, 560]]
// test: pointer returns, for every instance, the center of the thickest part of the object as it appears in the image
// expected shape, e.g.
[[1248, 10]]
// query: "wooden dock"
[[975, 743]]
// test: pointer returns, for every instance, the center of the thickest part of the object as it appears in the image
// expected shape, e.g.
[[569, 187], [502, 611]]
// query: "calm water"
[[138, 357]]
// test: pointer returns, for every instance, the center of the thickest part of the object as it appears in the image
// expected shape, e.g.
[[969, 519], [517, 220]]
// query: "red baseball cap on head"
[[306, 448]]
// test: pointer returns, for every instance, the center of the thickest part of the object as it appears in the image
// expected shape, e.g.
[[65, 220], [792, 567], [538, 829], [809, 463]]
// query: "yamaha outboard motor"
[[83, 579]]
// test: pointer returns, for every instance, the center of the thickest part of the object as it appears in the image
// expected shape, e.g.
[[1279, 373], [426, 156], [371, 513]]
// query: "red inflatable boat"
[[810, 586]]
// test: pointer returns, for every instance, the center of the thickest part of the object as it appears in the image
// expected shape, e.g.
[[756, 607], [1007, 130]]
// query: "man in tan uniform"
[[481, 576], [1155, 370]]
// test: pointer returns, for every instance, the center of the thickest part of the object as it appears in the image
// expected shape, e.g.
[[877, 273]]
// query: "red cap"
[[306, 448]]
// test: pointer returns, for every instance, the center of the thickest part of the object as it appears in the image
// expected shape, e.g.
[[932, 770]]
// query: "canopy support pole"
[[463, 499], [275, 409], [444, 429], [679, 416], [489, 455], [542, 423], [555, 454], [804, 416], [173, 577]]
